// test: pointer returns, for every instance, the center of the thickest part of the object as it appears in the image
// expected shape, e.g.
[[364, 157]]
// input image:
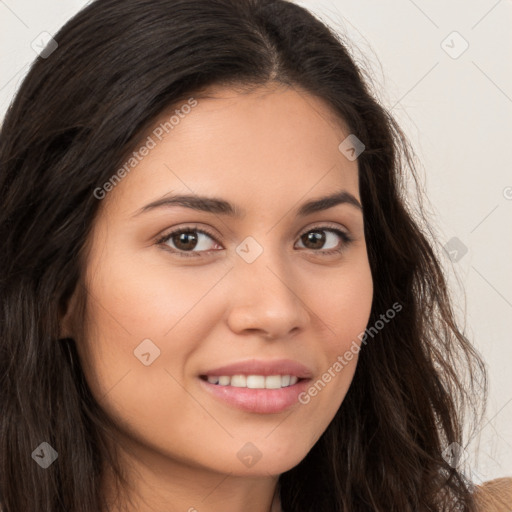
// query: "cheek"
[[148, 299], [143, 312], [137, 314], [345, 303], [344, 310]]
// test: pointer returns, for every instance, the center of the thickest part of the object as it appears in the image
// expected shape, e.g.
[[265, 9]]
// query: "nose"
[[266, 299]]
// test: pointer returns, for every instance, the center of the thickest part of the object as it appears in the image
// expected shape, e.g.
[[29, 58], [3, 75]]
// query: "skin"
[[267, 151]]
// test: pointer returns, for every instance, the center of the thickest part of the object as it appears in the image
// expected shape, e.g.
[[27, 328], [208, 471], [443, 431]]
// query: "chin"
[[265, 460]]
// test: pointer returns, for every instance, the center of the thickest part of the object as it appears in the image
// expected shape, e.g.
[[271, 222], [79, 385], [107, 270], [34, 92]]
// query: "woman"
[[214, 296]]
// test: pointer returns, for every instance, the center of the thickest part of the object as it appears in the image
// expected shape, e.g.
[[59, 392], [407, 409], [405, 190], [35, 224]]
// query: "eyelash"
[[347, 240]]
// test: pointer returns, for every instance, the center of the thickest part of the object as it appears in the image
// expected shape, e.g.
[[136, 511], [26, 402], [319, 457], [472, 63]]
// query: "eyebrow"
[[220, 206]]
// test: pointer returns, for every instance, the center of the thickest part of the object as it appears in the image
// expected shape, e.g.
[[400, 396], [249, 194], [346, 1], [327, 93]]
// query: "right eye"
[[185, 239]]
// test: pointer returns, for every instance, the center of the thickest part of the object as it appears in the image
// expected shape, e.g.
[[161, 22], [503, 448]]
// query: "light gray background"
[[456, 111]]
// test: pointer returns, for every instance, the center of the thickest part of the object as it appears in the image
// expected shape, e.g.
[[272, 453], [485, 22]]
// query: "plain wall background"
[[456, 109]]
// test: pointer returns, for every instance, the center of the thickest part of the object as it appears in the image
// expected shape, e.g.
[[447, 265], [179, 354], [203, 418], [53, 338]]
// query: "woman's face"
[[265, 285]]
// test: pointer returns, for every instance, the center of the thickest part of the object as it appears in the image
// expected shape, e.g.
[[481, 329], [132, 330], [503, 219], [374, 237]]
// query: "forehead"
[[260, 145]]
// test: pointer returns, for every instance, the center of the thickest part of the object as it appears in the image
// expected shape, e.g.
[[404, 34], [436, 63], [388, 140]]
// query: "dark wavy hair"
[[80, 110]]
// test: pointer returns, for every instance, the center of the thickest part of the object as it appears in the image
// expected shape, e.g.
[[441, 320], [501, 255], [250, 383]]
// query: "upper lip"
[[262, 367]]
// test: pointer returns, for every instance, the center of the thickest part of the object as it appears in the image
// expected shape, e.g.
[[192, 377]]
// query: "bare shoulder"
[[494, 495]]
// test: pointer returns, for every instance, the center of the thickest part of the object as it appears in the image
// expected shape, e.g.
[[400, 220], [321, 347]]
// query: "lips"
[[275, 397], [257, 401]]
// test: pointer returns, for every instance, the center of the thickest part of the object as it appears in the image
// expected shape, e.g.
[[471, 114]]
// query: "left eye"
[[184, 240]]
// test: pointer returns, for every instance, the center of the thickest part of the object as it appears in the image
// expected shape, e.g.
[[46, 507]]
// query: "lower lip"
[[262, 401]]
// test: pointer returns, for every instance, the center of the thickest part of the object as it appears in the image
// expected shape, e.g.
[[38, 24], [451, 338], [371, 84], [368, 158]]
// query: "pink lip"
[[262, 367], [262, 401]]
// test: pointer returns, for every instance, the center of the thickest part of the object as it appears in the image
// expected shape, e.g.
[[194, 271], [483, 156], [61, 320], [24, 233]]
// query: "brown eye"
[[184, 241], [315, 239]]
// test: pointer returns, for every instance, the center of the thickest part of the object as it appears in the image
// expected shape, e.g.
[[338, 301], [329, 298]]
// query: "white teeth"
[[273, 382], [224, 381], [254, 381], [239, 381]]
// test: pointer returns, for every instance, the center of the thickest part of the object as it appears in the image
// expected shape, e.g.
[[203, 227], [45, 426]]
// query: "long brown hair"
[[82, 107]]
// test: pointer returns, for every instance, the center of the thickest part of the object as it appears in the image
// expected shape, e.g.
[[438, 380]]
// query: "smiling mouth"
[[259, 394], [253, 381]]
